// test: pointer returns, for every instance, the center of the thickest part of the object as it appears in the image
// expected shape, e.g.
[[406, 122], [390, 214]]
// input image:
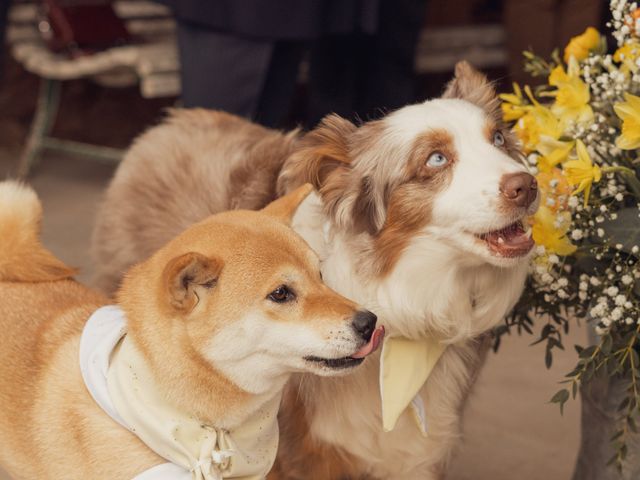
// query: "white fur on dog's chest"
[[404, 452]]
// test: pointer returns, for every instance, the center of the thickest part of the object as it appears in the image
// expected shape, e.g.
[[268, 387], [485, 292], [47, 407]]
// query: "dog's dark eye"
[[498, 139], [281, 294], [437, 159]]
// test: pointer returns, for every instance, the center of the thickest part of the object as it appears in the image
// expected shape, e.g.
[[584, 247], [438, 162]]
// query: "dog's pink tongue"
[[372, 345]]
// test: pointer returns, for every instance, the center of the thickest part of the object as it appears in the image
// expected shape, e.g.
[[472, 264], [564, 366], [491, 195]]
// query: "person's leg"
[[222, 71], [333, 66], [388, 77], [276, 94]]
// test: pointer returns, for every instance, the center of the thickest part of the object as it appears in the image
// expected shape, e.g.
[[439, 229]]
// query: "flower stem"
[[629, 175]]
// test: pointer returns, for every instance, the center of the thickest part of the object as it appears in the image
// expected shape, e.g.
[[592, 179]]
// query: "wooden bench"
[[152, 62]]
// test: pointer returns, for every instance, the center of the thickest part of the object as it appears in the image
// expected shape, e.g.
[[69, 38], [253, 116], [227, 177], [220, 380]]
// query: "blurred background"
[[81, 79]]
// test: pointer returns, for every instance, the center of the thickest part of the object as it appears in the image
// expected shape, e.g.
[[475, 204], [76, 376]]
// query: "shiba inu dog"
[[184, 376]]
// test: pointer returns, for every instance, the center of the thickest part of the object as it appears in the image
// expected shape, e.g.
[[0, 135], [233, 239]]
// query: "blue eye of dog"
[[498, 139], [437, 159], [281, 294]]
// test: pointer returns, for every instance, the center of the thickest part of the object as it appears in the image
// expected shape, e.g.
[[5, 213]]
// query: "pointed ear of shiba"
[[187, 277], [473, 86], [284, 208], [322, 151]]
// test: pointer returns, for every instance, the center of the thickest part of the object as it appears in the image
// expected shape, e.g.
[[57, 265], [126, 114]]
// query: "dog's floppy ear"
[[322, 151], [186, 276], [473, 86], [368, 209], [284, 208]]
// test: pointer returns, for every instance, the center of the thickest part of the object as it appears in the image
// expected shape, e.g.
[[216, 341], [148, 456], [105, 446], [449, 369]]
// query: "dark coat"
[[279, 19]]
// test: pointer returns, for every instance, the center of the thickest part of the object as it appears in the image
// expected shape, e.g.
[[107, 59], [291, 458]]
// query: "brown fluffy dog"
[[419, 215], [207, 314]]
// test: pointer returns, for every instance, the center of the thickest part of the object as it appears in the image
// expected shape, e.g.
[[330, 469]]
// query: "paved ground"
[[511, 430]]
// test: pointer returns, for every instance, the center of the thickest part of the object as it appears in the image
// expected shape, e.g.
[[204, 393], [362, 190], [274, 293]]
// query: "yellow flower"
[[627, 56], [550, 229], [554, 189], [580, 46], [629, 112], [582, 172], [513, 105], [538, 122], [572, 94], [553, 152]]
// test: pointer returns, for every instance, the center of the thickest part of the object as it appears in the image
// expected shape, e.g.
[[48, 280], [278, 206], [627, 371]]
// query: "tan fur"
[[180, 192], [306, 458], [472, 86], [24, 259], [376, 206], [176, 301]]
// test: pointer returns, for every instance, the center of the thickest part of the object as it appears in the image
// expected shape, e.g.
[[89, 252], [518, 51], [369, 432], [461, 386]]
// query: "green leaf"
[[587, 352], [561, 398], [548, 358], [632, 424]]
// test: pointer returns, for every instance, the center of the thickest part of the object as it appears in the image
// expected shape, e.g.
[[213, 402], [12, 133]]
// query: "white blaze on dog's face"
[[251, 296], [476, 196]]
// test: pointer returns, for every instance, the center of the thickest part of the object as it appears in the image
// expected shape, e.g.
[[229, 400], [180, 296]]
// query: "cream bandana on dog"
[[405, 366], [119, 380]]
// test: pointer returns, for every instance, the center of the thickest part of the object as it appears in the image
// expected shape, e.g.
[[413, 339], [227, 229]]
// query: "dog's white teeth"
[[500, 240]]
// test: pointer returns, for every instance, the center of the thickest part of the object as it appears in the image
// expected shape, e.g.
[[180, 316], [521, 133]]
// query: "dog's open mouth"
[[355, 359], [511, 241]]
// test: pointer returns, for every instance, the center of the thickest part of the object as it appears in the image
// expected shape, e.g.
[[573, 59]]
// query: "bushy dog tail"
[[22, 256]]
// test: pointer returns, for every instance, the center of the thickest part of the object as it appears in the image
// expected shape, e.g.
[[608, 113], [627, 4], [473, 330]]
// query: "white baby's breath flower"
[[577, 234], [616, 314]]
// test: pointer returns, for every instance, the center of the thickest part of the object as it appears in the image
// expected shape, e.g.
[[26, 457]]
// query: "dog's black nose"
[[364, 322]]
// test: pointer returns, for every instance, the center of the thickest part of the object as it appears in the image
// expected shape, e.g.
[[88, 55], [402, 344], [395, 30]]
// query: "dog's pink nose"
[[519, 189]]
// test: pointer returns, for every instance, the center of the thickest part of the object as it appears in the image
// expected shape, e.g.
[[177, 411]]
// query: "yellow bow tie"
[[405, 366]]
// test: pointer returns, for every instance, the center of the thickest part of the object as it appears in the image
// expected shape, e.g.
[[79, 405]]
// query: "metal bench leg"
[[43, 121]]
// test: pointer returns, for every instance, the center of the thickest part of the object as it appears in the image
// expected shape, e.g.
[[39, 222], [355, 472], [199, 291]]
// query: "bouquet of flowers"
[[581, 134]]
